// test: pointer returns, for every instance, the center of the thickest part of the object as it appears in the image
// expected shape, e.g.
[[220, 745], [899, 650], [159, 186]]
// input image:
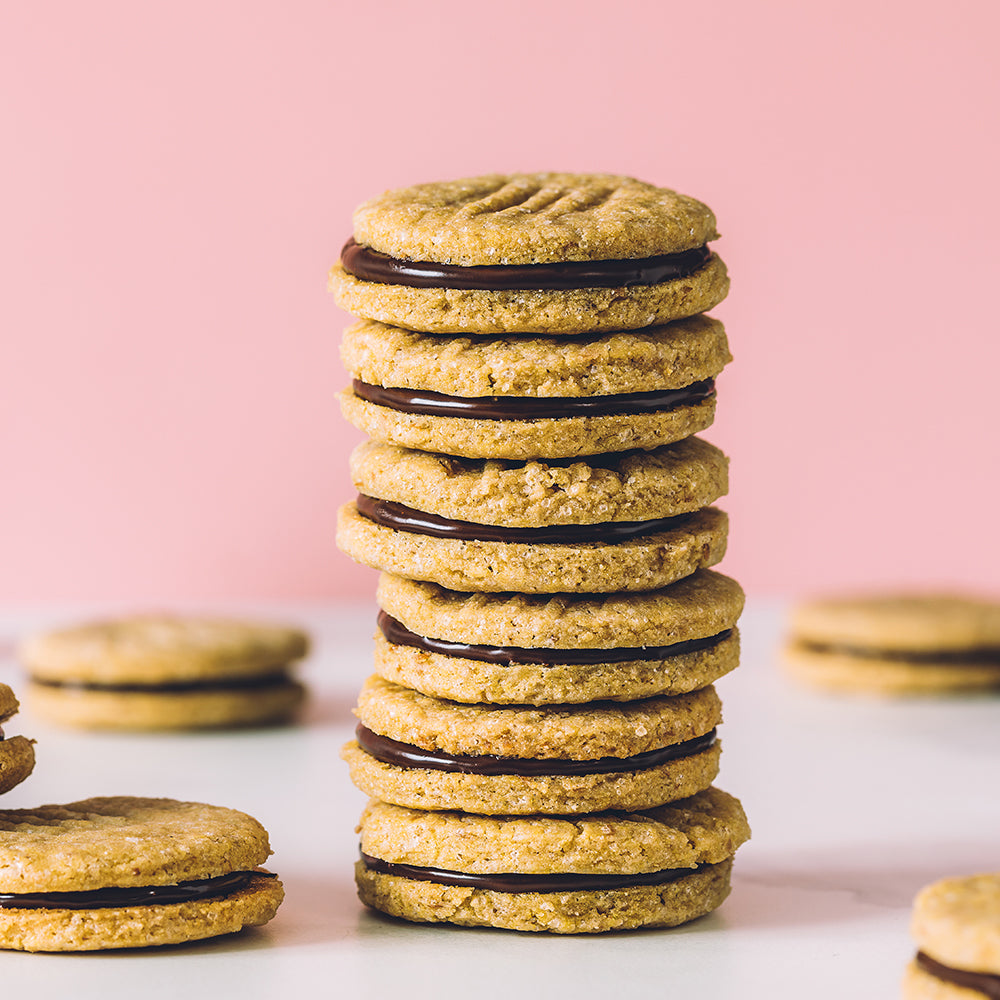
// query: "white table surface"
[[854, 803]]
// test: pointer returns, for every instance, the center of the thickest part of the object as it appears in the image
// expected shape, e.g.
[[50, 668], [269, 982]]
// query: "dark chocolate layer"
[[405, 755], [145, 895], [399, 517], [986, 655], [984, 982], [371, 265], [396, 632], [519, 882], [437, 404], [262, 682]]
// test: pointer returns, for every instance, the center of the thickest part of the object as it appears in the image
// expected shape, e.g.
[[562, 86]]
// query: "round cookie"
[[897, 643], [610, 871], [630, 486], [956, 925], [658, 553], [516, 649], [165, 672], [17, 753], [127, 872], [545, 253], [533, 397], [427, 753]]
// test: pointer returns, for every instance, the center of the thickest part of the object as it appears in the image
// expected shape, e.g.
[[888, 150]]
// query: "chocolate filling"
[[174, 687], [396, 632], [399, 517], [986, 983], [371, 265], [405, 755], [143, 895], [985, 655], [519, 882], [437, 404]]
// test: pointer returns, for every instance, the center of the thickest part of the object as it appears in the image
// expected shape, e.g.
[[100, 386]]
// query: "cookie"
[[130, 872], [428, 753], [548, 253], [165, 672], [533, 397], [17, 753], [610, 871], [897, 643], [956, 924], [542, 650]]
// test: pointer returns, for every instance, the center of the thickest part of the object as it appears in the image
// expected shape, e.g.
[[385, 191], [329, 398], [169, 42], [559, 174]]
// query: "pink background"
[[176, 179]]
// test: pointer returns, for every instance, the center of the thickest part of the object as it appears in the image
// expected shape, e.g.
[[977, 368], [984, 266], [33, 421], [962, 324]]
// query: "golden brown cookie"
[[956, 924], [17, 754], [608, 871], [543, 253], [533, 397], [126, 872], [563, 649], [897, 643], [165, 672], [428, 753]]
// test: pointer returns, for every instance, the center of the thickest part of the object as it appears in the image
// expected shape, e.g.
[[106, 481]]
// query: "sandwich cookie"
[[626, 521], [533, 397], [428, 753], [128, 872], [17, 753], [956, 924], [562, 649], [549, 253], [165, 672], [610, 871], [897, 644]]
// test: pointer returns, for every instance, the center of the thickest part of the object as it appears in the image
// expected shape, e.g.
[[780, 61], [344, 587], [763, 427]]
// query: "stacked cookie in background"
[[538, 739]]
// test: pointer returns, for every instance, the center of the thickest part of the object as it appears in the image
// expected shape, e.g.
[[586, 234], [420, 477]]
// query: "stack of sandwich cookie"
[[17, 753], [165, 672], [531, 366], [129, 873], [956, 924]]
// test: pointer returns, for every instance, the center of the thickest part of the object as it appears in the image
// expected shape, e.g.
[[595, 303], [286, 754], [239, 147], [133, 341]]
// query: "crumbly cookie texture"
[[634, 486], [124, 841], [167, 710], [562, 732], [957, 922], [706, 828], [472, 681], [657, 358], [8, 703], [153, 648], [669, 905], [541, 438], [901, 622], [644, 563], [507, 794], [700, 605], [847, 672], [140, 926], [583, 310], [532, 219], [17, 761]]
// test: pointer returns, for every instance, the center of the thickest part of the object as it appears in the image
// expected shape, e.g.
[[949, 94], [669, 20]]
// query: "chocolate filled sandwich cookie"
[[128, 873], [428, 753], [17, 753], [549, 253], [625, 521], [522, 397], [610, 871], [897, 643], [561, 649], [956, 924], [165, 672]]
